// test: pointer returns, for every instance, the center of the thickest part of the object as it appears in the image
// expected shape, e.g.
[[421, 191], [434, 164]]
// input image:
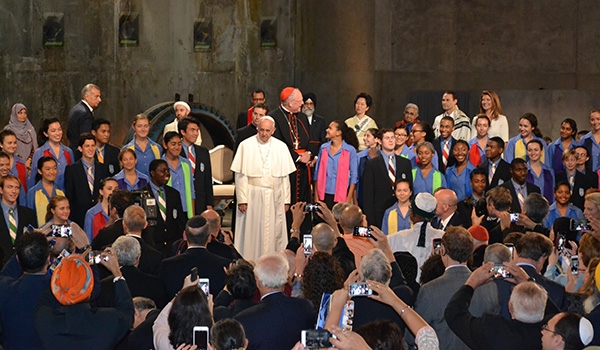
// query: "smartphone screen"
[[574, 264], [308, 244], [200, 338], [362, 231], [204, 284]]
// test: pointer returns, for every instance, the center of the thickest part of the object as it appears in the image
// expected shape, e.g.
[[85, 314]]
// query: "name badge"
[[174, 213], [201, 167], [111, 168], [581, 192], [500, 182]]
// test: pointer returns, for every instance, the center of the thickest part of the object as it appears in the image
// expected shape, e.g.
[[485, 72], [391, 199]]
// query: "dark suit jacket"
[[378, 194], [244, 133], [221, 249], [25, 217], [556, 292], [455, 220], [283, 133], [150, 259], [515, 207], [108, 235], [78, 191], [242, 120], [489, 331], [140, 284], [80, 326], [141, 337], [174, 269], [223, 312], [111, 159], [202, 179], [437, 144], [582, 183], [502, 173], [317, 131], [165, 233], [276, 321], [80, 121]]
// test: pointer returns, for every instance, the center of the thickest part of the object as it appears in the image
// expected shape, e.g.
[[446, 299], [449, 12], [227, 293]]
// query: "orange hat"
[[479, 232], [286, 92], [72, 281]]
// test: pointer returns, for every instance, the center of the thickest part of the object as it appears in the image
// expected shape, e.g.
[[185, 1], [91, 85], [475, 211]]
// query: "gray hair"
[[375, 266], [323, 237], [142, 303], [528, 301], [134, 218], [497, 253], [413, 106], [338, 208], [127, 249], [271, 270], [536, 207], [426, 144], [87, 88]]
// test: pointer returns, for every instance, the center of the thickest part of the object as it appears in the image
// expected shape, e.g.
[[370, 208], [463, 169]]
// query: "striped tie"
[[391, 172], [100, 152], [90, 179], [192, 158], [446, 154], [162, 204], [520, 197], [492, 172], [12, 224]]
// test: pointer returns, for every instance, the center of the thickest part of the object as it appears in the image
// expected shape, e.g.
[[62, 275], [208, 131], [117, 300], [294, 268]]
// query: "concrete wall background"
[[539, 56]]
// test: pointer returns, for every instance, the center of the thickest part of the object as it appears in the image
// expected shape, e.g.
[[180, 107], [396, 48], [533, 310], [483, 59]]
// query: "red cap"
[[285, 93], [479, 232]]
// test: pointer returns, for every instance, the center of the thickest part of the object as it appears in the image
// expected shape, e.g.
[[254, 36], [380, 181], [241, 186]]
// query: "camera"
[[315, 339], [147, 202], [514, 217], [200, 337], [437, 244], [362, 231], [308, 244], [481, 207], [500, 272], [311, 207], [359, 289], [580, 225], [95, 257], [63, 231]]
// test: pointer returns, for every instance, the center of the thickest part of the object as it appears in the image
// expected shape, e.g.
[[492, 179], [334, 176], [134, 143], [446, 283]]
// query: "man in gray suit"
[[457, 247]]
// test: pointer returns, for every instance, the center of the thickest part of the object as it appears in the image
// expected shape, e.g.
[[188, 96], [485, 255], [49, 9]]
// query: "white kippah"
[[586, 331], [181, 103], [426, 202]]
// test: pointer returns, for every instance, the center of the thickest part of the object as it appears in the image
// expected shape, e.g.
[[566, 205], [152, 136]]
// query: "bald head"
[[446, 203], [214, 221], [134, 219], [351, 217], [323, 237]]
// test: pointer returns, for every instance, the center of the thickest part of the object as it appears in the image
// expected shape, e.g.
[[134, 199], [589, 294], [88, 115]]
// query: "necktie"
[[572, 182], [100, 155], [90, 178], [162, 204], [521, 197], [446, 154], [492, 172], [391, 172], [192, 158], [12, 224]]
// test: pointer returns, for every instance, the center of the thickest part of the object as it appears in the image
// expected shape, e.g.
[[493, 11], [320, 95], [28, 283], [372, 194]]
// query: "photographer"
[[497, 219]]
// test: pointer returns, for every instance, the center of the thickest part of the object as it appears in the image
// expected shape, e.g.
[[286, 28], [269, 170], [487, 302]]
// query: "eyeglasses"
[[414, 131], [400, 135], [545, 328]]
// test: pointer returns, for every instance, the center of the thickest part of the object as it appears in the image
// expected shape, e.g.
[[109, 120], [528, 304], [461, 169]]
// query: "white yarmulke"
[[426, 202], [586, 331], [181, 103]]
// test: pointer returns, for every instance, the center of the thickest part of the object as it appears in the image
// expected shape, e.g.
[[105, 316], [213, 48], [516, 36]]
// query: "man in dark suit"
[[17, 294], [65, 306], [82, 179], [223, 249], [174, 269], [378, 187], [522, 331], [498, 169], [518, 187], [134, 222], [444, 144], [170, 221], [245, 118], [106, 153], [433, 297], [82, 115], [317, 123], [446, 210], [13, 217], [277, 320], [200, 160], [258, 111], [128, 251]]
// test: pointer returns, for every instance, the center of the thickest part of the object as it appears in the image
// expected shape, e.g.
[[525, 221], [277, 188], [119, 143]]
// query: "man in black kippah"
[[174, 269]]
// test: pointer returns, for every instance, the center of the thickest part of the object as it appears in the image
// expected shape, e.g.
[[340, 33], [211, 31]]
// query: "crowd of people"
[[416, 236]]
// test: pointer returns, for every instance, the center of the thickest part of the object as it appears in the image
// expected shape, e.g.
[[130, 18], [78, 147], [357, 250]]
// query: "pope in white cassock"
[[262, 165]]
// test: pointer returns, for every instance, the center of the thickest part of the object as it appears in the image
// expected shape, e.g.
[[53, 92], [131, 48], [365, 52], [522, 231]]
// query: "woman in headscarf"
[[26, 136]]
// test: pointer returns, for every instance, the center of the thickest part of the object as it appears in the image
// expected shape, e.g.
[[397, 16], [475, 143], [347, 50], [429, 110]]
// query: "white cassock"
[[262, 181]]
